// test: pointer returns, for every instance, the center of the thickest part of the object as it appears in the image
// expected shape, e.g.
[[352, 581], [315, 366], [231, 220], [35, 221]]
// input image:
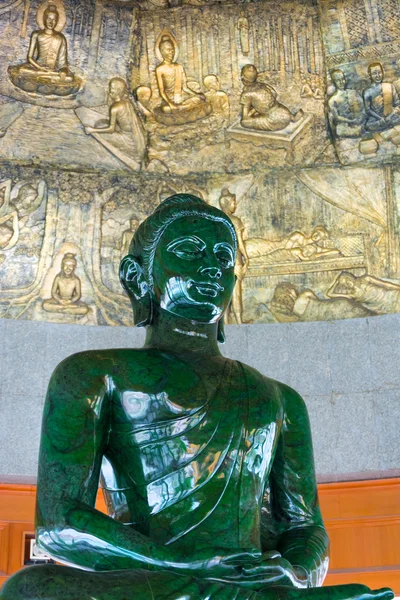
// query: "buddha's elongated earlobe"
[[134, 283], [221, 331]]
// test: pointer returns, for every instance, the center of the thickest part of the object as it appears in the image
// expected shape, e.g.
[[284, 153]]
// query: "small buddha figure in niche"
[[124, 130], [346, 109], [260, 107], [66, 290], [228, 204], [207, 465], [381, 100], [216, 97], [179, 102], [47, 71]]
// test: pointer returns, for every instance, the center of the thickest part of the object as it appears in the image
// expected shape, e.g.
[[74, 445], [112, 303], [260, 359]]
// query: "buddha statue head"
[[167, 48], [68, 264], [51, 17], [181, 260]]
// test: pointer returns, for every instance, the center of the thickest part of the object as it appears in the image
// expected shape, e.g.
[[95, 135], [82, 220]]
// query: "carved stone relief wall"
[[109, 106]]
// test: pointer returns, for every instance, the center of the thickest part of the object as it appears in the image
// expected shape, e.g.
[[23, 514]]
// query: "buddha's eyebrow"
[[186, 238], [224, 246]]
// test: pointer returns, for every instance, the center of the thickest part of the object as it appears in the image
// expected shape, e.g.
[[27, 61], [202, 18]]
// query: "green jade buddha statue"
[[207, 466]]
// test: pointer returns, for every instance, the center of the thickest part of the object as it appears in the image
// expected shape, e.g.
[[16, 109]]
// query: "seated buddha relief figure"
[[47, 71], [260, 107], [381, 100], [206, 465], [66, 291], [179, 103]]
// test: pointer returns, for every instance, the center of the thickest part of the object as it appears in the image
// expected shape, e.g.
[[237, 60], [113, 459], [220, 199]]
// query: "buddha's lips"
[[207, 288]]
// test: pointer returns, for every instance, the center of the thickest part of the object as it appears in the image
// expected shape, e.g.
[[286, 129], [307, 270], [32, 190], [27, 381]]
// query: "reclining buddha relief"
[[313, 244], [268, 111]]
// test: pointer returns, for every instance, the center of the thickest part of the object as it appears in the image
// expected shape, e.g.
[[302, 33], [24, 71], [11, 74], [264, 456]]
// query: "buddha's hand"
[[269, 569], [212, 563]]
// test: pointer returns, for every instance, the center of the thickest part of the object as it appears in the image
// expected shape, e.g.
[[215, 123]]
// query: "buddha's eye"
[[188, 248], [225, 256]]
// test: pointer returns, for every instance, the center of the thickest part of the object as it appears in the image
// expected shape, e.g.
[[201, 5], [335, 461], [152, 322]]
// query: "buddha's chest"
[[173, 441], [48, 45]]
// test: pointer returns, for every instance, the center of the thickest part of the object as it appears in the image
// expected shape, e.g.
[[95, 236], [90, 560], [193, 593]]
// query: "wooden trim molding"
[[362, 518]]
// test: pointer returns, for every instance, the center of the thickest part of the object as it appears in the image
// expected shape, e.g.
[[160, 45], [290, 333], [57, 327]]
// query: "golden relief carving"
[[66, 291], [47, 71], [107, 108]]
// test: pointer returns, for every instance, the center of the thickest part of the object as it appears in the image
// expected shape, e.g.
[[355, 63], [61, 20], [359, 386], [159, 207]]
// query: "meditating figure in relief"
[[260, 107], [47, 70], [66, 290], [180, 103], [382, 102]]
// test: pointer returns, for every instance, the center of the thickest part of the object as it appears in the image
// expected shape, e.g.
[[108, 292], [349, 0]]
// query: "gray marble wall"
[[347, 371]]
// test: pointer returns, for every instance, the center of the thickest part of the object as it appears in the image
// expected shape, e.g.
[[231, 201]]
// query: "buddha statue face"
[[181, 260], [193, 269], [50, 18], [167, 50], [68, 266]]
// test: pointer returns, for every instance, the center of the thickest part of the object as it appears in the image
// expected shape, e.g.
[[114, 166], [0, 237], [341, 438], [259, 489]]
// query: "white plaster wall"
[[347, 371]]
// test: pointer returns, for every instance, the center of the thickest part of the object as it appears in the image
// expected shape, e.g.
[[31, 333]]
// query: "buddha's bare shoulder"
[[271, 387], [110, 361]]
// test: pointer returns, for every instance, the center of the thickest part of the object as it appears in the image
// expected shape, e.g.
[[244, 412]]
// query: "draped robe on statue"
[[232, 471]]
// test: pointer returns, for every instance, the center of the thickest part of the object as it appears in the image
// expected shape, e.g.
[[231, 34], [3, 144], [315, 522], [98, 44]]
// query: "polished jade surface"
[[206, 465]]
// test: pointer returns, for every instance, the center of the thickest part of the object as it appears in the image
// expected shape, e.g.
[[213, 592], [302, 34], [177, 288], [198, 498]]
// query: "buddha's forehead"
[[208, 228]]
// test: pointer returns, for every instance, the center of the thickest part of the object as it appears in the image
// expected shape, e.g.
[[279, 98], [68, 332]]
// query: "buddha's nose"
[[213, 272]]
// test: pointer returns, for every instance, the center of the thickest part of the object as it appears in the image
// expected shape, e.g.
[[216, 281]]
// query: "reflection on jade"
[[206, 465]]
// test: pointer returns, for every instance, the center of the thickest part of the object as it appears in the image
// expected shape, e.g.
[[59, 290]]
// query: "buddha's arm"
[[303, 540], [77, 290], [55, 290], [368, 106], [386, 285], [112, 124], [242, 249], [63, 56], [161, 89], [32, 53], [74, 437]]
